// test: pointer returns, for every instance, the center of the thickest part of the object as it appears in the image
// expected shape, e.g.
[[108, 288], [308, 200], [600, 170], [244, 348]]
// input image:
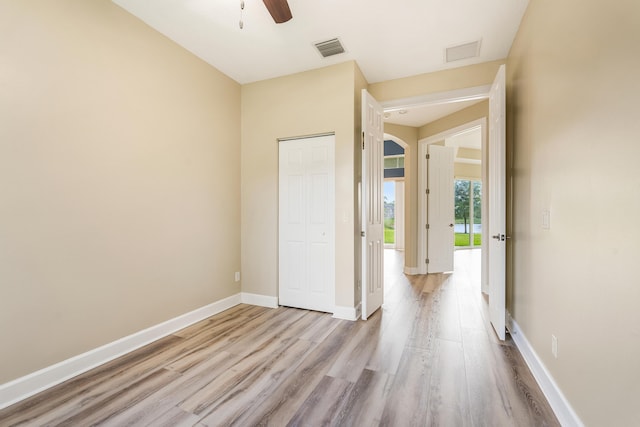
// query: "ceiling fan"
[[279, 10]]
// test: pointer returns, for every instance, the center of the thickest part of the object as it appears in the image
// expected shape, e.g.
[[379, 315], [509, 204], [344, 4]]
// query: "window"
[[394, 162]]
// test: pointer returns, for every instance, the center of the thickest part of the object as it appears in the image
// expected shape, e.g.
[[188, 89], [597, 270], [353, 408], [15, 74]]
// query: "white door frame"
[[422, 188]]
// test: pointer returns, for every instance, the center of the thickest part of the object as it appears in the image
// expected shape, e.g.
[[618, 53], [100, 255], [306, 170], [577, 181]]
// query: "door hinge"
[[426, 261], [362, 234], [427, 226], [428, 157], [363, 140], [427, 191]]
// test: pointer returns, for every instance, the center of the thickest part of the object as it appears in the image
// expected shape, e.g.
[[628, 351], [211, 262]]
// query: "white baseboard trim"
[[559, 403], [23, 387], [346, 313], [411, 271], [261, 300]]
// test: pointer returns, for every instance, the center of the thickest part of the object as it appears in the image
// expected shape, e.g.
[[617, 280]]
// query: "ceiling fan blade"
[[279, 10]]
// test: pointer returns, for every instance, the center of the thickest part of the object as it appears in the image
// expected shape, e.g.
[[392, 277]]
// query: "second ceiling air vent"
[[463, 51], [329, 47]]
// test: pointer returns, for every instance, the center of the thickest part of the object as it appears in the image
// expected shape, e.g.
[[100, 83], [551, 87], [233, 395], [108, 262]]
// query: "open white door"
[[497, 204], [440, 209], [372, 205]]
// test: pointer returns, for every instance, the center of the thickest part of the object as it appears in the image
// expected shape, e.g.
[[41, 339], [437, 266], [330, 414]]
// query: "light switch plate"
[[546, 219]]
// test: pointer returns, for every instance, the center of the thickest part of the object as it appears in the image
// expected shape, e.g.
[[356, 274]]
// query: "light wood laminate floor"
[[428, 357]]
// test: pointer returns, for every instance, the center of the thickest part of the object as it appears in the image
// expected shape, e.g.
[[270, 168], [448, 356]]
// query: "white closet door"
[[307, 223]]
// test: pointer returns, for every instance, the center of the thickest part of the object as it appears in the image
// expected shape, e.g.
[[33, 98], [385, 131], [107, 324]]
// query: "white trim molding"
[[438, 98], [260, 300], [346, 313], [23, 387], [559, 403]]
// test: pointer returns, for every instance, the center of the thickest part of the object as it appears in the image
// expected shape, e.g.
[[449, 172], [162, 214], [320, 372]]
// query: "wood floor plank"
[[489, 401], [528, 403], [73, 395], [280, 323], [280, 407], [470, 315], [448, 397], [203, 400], [448, 320], [321, 329], [102, 411], [228, 317], [366, 399], [354, 357], [408, 399], [388, 349], [423, 331], [145, 412], [324, 402], [174, 417], [258, 386]]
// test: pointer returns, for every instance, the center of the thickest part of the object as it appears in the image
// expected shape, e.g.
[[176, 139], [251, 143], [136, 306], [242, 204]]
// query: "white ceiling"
[[469, 139], [421, 115], [388, 39]]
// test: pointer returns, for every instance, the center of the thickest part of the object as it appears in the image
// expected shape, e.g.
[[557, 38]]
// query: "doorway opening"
[[468, 213], [393, 194], [495, 93], [469, 163]]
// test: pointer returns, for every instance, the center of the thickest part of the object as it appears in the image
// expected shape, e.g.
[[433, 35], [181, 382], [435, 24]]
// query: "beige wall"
[[459, 118], [573, 127], [307, 103], [441, 81], [467, 171], [119, 182], [409, 135]]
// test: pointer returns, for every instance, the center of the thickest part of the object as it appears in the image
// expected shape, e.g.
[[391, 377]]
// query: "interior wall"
[[119, 180], [467, 171], [440, 81], [308, 103], [459, 118], [572, 130]]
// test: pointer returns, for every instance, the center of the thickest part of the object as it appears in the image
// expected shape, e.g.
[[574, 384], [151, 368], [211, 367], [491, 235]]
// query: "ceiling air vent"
[[462, 51], [329, 47]]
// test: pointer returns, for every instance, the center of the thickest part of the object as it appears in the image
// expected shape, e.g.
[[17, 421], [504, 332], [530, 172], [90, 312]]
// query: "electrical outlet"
[[237, 276], [554, 346]]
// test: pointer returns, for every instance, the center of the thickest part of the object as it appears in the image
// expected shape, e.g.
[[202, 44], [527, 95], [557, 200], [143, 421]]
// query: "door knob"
[[450, 225], [500, 237]]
